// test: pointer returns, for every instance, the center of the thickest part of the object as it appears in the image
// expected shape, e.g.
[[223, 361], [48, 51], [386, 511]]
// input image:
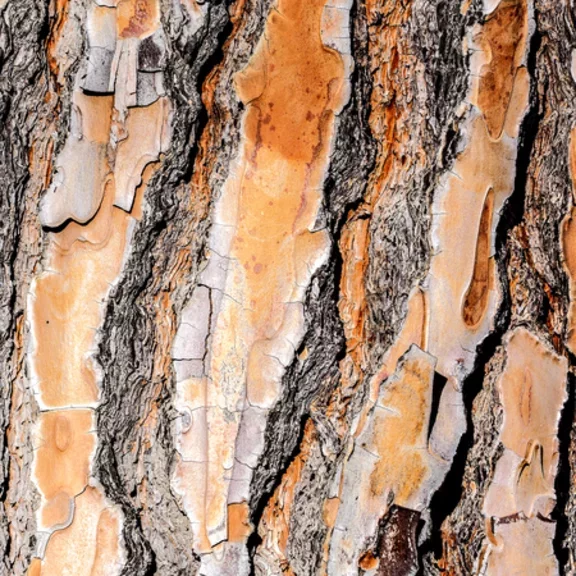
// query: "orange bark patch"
[[147, 132], [264, 219], [354, 244], [137, 18], [503, 34], [476, 298], [525, 547], [107, 544], [282, 166], [62, 464], [35, 568], [413, 332], [67, 300], [533, 389], [89, 545], [368, 561], [95, 113], [390, 462], [82, 261], [521, 496], [66, 308], [462, 266], [239, 526], [568, 239], [400, 433]]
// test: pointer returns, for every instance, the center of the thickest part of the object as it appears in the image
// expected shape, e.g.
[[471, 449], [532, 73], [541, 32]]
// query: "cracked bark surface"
[[287, 287]]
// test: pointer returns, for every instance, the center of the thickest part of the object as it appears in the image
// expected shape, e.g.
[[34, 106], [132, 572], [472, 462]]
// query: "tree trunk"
[[287, 287]]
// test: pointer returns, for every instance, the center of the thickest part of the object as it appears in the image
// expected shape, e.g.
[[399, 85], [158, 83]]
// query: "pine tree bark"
[[287, 287]]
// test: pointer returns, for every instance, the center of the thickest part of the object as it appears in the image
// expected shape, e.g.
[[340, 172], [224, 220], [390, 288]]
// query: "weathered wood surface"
[[287, 287]]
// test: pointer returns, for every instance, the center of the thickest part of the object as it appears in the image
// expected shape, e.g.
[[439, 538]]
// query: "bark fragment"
[[532, 392], [266, 214]]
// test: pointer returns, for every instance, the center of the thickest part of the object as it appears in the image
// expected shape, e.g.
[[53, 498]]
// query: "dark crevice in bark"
[[513, 212], [254, 540], [563, 477], [302, 381], [438, 384], [446, 71], [211, 63], [201, 55], [140, 556], [447, 497], [128, 330], [344, 191]]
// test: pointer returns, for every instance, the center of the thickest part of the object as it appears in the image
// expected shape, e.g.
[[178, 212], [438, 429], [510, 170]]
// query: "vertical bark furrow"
[[135, 453]]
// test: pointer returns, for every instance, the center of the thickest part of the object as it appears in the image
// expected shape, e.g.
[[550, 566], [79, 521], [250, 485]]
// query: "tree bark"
[[287, 287]]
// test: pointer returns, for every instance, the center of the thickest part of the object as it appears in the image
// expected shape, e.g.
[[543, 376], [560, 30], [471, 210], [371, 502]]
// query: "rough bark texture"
[[287, 287]]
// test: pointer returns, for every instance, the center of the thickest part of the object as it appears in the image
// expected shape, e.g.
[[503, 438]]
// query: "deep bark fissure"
[[260, 503], [135, 286], [563, 477], [447, 497]]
